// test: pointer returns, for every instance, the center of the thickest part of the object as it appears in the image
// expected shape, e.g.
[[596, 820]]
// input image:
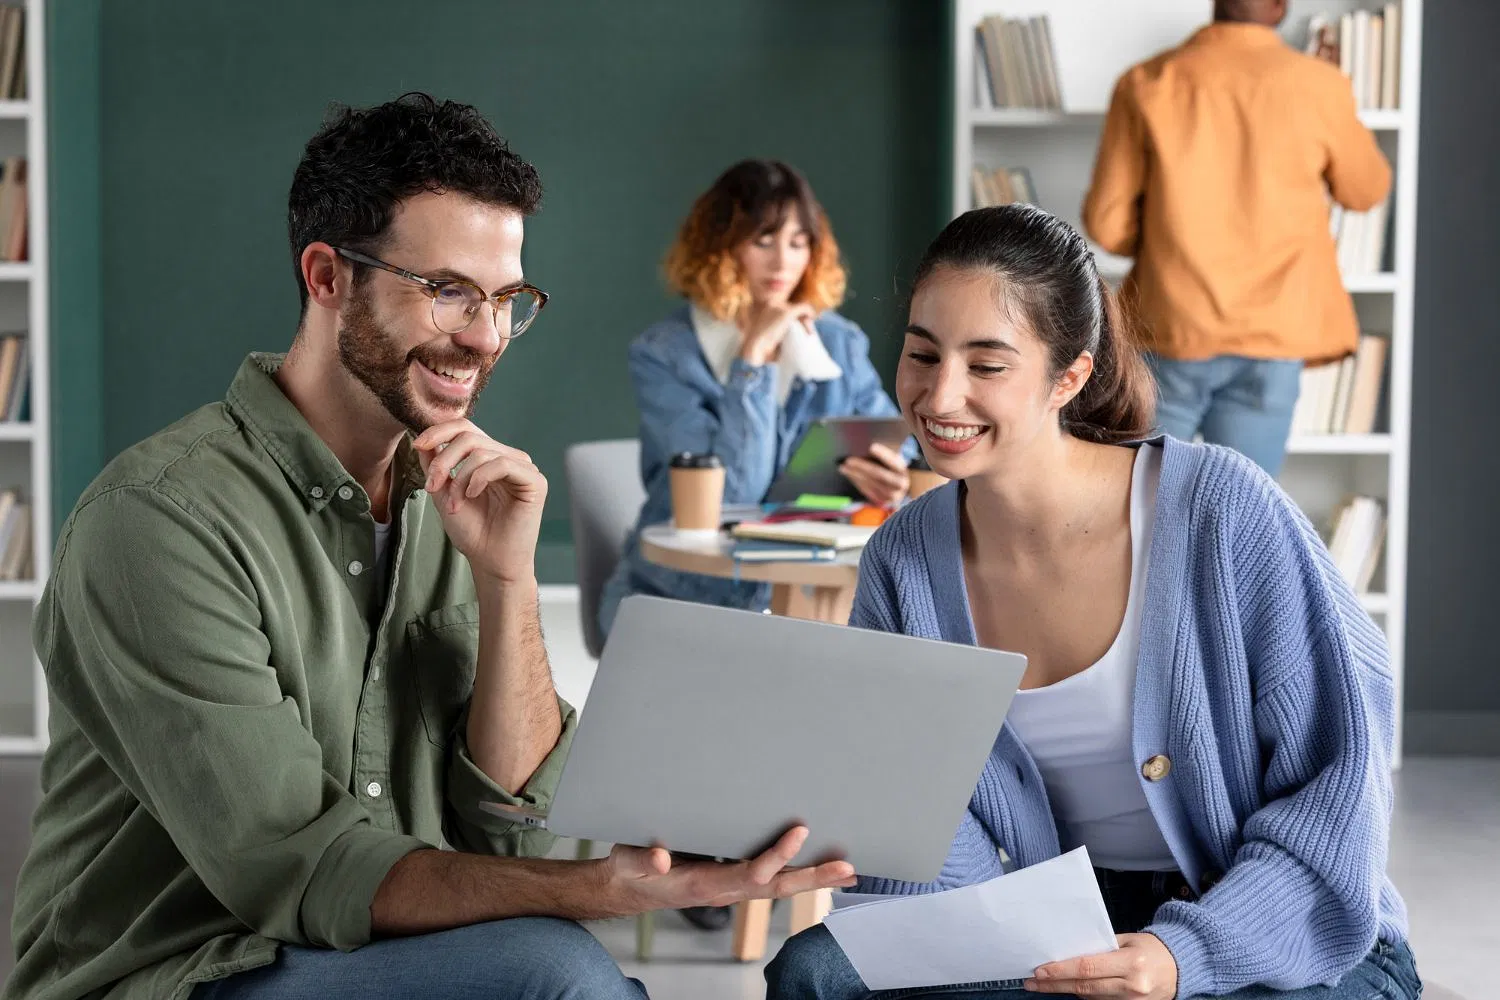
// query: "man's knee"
[[560, 960], [812, 965]]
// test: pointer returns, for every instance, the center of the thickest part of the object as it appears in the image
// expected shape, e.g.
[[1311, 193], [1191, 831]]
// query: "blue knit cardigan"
[[1264, 683]]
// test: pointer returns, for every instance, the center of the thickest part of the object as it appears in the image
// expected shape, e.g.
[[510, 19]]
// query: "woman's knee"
[[812, 966]]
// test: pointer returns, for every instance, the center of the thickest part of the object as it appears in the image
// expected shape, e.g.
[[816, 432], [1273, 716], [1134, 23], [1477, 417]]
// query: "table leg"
[[809, 909], [819, 604], [752, 925]]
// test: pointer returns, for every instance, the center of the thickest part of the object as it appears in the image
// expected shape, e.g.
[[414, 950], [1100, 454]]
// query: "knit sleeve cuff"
[[1190, 950]]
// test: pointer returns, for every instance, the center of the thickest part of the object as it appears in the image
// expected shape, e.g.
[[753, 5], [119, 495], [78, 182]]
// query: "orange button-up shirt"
[[1214, 172]]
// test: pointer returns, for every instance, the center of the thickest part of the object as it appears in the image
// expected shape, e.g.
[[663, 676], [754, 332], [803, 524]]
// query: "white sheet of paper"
[[1000, 929]]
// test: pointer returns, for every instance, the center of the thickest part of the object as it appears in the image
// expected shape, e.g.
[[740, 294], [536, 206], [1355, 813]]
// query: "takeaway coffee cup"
[[697, 492]]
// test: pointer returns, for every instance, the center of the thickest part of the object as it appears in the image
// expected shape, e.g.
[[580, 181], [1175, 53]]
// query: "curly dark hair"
[[365, 161]]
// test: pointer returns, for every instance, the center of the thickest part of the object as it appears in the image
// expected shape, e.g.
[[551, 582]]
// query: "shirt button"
[[373, 789], [356, 567], [346, 493], [1156, 768], [316, 492]]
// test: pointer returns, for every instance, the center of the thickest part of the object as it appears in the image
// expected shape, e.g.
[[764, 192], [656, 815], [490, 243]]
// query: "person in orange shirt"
[[1215, 170]]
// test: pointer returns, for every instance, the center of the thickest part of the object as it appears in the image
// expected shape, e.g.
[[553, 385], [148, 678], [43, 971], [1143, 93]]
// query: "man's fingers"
[[527, 481], [640, 862], [831, 875], [764, 868]]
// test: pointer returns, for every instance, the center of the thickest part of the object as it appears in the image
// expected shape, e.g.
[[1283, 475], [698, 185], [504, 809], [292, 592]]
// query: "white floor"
[[1445, 859]]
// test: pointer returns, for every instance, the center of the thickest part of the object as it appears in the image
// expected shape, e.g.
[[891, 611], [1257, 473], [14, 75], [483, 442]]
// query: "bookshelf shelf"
[[1031, 118], [26, 448], [1340, 444], [1377, 283], [19, 590], [1383, 120], [1092, 44]]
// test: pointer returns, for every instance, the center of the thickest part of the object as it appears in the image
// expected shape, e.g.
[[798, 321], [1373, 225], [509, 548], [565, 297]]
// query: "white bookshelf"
[[1094, 43], [25, 448]]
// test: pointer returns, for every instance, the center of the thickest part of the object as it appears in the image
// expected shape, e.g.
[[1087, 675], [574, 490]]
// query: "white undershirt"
[[383, 549], [1079, 729]]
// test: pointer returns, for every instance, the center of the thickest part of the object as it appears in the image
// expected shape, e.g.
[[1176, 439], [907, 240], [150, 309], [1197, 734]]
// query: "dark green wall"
[[628, 111]]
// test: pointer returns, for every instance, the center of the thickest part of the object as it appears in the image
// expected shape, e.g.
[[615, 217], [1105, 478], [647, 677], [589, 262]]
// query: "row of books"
[[1002, 186], [13, 209], [1015, 64], [1360, 237], [1343, 398], [1355, 539], [14, 368], [12, 52], [1366, 47], [15, 537]]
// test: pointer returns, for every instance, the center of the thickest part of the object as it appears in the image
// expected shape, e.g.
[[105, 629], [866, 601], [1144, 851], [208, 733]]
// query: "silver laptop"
[[710, 731]]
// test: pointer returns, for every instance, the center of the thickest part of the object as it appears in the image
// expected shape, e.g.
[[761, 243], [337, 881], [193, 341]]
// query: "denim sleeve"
[[739, 426]]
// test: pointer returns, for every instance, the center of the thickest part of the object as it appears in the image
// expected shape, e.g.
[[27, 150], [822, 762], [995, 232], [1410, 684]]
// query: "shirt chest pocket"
[[443, 648]]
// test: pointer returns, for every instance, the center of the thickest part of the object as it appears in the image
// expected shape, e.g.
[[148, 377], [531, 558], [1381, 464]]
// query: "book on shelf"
[[14, 383], [1003, 186], [13, 209], [1015, 64], [1356, 537], [1343, 397], [15, 536], [1360, 238], [818, 534], [1366, 47], [12, 52]]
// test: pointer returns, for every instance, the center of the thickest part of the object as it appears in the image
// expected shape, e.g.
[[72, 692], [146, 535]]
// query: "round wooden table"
[[818, 591]]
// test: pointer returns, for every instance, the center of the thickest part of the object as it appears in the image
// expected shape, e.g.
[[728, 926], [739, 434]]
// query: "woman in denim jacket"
[[741, 369]]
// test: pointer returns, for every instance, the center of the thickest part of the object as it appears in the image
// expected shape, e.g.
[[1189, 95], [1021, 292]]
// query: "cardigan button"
[[1156, 768]]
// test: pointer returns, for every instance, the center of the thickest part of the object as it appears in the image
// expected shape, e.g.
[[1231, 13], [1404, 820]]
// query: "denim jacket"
[[684, 407]]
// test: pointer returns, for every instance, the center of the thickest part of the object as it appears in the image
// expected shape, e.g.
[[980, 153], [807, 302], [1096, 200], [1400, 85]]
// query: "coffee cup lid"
[[691, 460]]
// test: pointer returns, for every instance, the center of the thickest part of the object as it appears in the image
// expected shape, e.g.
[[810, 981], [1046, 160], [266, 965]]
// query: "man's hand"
[[881, 476], [765, 328], [1142, 969], [647, 879], [489, 496]]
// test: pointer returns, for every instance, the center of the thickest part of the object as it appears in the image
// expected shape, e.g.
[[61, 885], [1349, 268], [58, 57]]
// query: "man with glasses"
[[292, 643]]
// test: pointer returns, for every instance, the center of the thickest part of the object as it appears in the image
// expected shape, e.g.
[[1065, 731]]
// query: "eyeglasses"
[[455, 302]]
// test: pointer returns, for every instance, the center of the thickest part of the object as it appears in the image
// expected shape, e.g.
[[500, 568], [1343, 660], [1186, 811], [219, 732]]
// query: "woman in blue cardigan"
[[1206, 706], [741, 369]]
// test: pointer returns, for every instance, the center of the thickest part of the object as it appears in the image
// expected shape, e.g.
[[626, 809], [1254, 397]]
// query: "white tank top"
[[1079, 729]]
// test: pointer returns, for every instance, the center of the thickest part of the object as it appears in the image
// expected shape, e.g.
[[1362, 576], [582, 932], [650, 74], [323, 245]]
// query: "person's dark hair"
[[1048, 280], [364, 161]]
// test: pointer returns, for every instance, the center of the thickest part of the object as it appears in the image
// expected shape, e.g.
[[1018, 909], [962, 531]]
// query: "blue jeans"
[[529, 958], [812, 966], [1243, 403]]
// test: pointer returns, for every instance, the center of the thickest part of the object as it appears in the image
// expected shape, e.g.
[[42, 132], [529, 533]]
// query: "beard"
[[371, 353]]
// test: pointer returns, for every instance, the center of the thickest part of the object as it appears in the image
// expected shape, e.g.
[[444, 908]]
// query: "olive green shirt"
[[248, 729]]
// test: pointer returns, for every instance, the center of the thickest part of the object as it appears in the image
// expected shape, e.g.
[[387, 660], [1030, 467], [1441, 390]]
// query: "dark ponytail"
[[1048, 273]]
